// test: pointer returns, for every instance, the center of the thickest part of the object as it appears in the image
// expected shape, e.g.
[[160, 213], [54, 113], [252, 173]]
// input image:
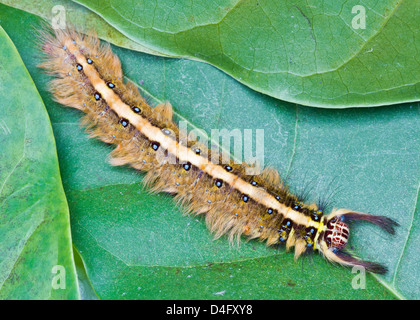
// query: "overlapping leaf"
[[336, 55], [36, 260]]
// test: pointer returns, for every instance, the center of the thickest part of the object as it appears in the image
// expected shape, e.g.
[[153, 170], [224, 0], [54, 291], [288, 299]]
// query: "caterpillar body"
[[88, 77]]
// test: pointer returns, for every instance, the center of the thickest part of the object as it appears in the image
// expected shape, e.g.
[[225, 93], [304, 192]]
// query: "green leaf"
[[76, 14], [35, 240], [312, 54], [137, 245], [309, 53]]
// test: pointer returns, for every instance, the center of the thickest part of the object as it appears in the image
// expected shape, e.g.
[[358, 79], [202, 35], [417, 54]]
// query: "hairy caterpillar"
[[89, 78]]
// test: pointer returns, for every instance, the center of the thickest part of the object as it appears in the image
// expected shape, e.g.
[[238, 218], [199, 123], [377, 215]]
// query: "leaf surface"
[[330, 55], [311, 53], [36, 259]]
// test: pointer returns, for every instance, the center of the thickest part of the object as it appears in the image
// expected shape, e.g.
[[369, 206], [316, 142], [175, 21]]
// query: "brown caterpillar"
[[89, 78]]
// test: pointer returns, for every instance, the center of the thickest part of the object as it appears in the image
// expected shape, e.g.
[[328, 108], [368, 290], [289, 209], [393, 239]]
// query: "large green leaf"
[[36, 260], [299, 51], [308, 52], [137, 245]]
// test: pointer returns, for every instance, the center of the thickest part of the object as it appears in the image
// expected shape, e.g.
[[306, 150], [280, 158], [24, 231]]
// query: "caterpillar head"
[[336, 235]]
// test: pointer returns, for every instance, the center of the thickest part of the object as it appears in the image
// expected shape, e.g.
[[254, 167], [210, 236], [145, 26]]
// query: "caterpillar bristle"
[[325, 200], [383, 222], [372, 267]]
